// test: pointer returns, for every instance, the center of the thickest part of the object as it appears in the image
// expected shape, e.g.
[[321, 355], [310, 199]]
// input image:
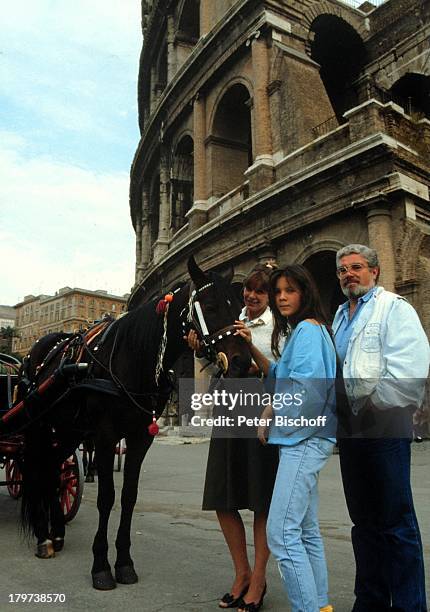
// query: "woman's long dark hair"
[[310, 302]]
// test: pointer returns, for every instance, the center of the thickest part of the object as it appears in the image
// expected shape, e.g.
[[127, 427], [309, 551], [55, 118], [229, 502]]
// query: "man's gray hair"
[[370, 255]]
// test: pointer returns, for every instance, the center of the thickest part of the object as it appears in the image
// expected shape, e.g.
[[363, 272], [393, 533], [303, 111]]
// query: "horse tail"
[[40, 480]]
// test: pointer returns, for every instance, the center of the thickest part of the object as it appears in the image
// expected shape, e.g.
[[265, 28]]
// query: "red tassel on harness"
[[153, 427], [163, 303]]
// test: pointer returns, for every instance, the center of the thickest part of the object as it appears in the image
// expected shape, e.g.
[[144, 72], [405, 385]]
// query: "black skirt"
[[240, 475]]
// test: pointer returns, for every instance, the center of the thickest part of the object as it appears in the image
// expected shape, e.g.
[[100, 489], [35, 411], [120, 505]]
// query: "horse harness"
[[78, 374], [195, 319]]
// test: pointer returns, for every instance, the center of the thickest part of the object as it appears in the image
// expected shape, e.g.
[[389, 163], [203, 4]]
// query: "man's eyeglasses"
[[355, 267]]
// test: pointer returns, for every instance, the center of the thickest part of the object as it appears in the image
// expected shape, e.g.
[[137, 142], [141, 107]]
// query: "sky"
[[68, 133]]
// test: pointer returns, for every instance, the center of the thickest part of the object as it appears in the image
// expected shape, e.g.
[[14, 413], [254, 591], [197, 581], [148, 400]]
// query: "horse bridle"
[[195, 320]]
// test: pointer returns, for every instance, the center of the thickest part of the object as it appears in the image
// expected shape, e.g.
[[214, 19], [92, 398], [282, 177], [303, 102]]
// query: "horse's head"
[[213, 309]]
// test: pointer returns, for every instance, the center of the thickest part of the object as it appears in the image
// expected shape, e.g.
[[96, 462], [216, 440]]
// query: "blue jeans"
[[385, 533], [293, 533]]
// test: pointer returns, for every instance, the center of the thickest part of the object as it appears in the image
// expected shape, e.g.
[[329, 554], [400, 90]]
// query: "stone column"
[[263, 128], [146, 239], [138, 243], [171, 50], [197, 215], [260, 174], [379, 224], [162, 242], [206, 16], [152, 92]]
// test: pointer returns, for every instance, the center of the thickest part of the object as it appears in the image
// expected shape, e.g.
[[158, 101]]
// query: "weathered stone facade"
[[285, 129]]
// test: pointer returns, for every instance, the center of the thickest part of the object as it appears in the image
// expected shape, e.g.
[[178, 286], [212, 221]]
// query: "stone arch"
[[329, 244], [320, 259], [326, 8], [418, 65], [230, 139], [239, 80], [336, 46], [412, 92], [407, 252]]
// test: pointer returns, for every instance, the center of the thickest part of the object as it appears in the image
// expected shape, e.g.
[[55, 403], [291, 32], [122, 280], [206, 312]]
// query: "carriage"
[[12, 450]]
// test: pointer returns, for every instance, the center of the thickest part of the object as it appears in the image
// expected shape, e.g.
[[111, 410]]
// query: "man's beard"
[[357, 292]]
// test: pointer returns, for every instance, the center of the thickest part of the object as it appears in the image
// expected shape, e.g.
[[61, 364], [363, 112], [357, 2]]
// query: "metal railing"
[[357, 3]]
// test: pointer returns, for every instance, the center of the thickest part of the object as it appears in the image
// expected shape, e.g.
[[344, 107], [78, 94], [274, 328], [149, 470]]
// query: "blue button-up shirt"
[[346, 325]]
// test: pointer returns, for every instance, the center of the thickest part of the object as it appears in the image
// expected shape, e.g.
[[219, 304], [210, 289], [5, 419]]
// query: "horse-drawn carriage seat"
[[64, 353]]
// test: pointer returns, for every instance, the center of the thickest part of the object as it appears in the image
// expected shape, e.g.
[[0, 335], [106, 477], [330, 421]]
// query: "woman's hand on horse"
[[254, 370], [243, 331], [193, 341]]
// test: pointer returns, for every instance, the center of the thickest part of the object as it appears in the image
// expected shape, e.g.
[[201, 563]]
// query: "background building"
[[68, 310], [7, 316], [287, 130], [7, 331]]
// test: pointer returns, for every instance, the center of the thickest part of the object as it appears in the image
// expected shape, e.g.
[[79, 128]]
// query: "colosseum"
[[284, 129]]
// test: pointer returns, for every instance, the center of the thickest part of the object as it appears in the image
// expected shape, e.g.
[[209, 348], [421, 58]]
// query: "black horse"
[[126, 385]]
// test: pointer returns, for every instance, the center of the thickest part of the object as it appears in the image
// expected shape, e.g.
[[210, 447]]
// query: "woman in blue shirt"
[[303, 424]]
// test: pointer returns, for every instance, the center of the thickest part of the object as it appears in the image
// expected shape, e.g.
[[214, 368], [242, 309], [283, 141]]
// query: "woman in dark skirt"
[[241, 471]]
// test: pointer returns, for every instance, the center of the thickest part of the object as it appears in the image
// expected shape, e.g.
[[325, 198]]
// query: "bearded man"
[[385, 360]]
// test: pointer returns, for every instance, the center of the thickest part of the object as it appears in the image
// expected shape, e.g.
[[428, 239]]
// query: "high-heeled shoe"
[[252, 606], [231, 601]]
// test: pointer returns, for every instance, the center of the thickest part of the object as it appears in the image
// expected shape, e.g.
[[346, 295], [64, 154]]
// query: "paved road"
[[178, 550]]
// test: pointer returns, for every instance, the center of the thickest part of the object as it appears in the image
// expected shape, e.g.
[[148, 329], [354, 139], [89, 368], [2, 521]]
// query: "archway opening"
[[412, 92], [162, 69], [154, 209], [339, 50], [230, 144], [189, 22], [182, 183], [322, 266]]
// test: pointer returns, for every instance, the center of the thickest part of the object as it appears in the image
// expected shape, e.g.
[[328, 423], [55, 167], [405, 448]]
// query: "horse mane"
[[137, 337], [138, 333]]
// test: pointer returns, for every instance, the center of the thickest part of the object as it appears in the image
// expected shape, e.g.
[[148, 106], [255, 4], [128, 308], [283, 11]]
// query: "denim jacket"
[[302, 386], [387, 360]]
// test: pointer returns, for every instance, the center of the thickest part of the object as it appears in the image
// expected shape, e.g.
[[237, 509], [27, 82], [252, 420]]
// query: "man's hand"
[[263, 430]]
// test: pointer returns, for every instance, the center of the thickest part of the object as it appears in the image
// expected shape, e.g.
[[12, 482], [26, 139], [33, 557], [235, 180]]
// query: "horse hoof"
[[103, 581], [45, 550], [58, 544], [126, 575]]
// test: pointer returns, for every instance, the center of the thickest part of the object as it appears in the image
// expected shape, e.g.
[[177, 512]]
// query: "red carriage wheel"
[[71, 486], [13, 478]]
